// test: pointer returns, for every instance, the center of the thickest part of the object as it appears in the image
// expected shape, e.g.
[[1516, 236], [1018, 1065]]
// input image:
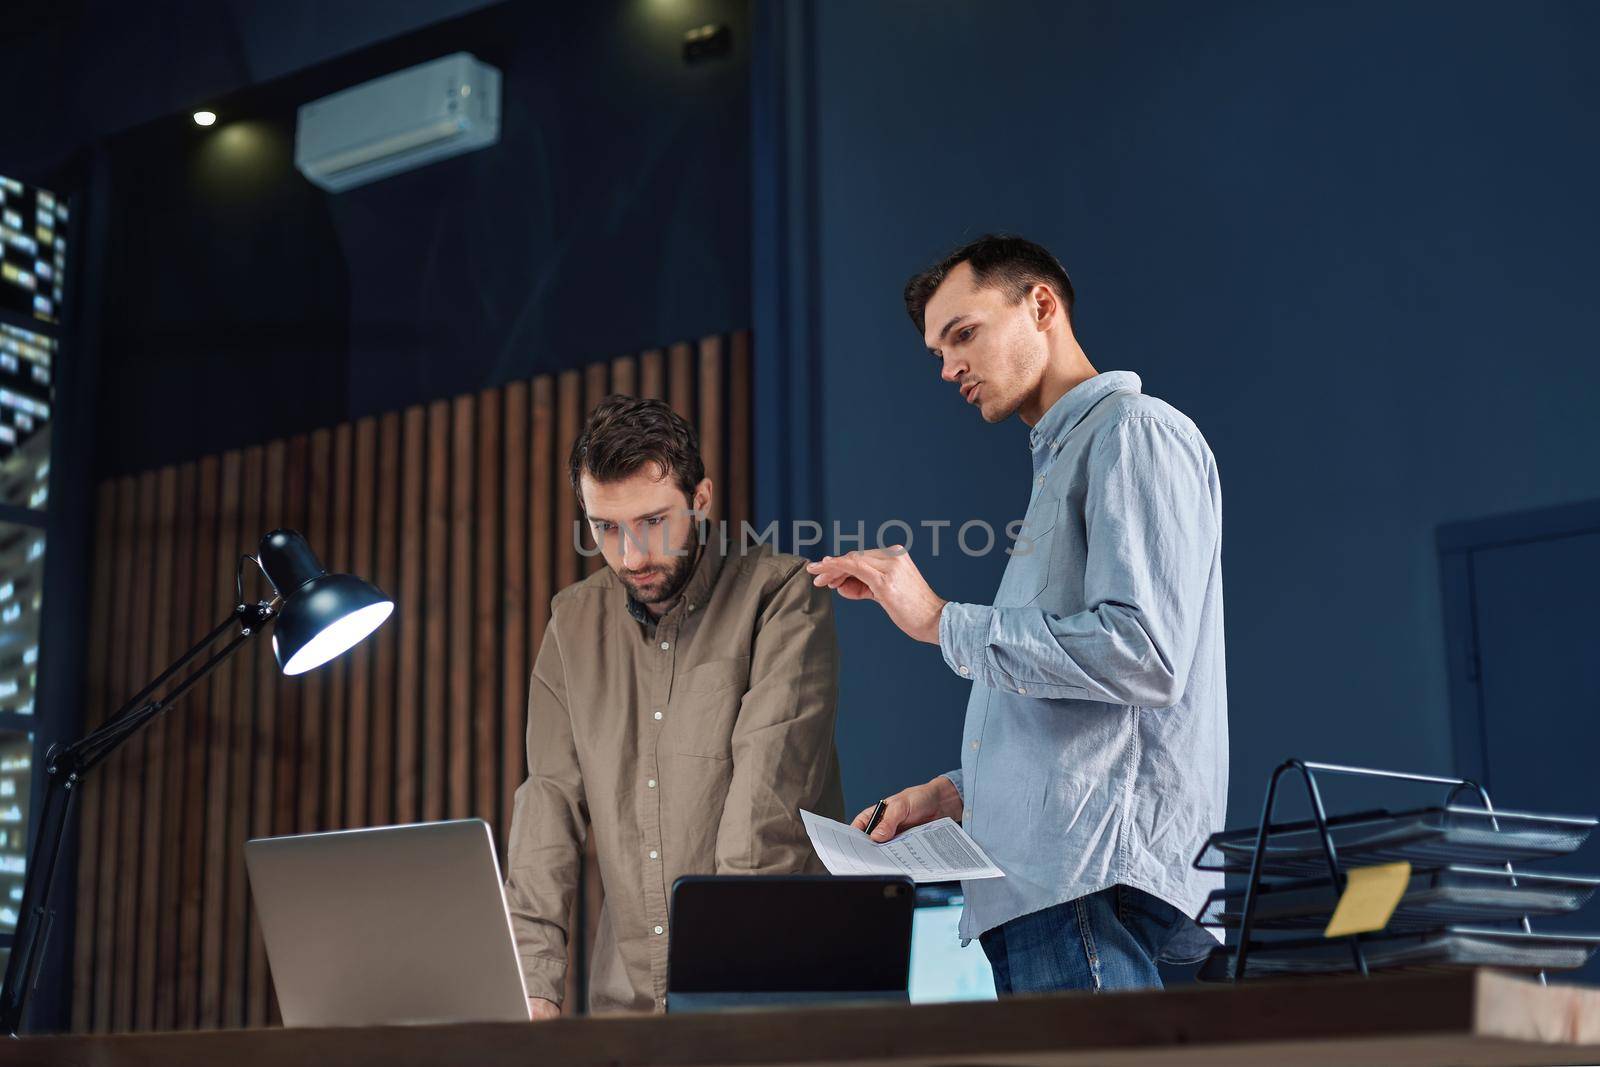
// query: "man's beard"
[[677, 575]]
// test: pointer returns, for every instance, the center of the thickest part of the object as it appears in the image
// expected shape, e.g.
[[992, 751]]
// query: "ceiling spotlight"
[[204, 118]]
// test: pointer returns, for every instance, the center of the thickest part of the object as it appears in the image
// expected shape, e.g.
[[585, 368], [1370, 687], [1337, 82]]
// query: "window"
[[26, 359], [33, 267], [16, 760], [33, 250]]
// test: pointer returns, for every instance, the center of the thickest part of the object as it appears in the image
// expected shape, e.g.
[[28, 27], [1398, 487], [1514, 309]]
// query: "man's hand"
[[888, 576], [913, 807], [540, 1009]]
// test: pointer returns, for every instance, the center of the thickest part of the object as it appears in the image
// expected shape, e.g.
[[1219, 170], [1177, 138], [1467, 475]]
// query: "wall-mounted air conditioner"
[[403, 120]]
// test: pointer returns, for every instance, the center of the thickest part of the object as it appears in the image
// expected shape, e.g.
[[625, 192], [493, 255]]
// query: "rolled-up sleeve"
[[549, 822], [783, 750], [1152, 531]]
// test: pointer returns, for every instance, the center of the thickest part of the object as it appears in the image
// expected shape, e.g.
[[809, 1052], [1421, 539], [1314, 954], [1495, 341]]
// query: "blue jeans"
[[1106, 940]]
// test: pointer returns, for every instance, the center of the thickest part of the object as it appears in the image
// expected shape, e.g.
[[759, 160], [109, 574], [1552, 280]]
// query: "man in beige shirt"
[[681, 709]]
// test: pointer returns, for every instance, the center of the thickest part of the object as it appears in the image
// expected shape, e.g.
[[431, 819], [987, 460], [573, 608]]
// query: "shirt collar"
[[1075, 403], [695, 592]]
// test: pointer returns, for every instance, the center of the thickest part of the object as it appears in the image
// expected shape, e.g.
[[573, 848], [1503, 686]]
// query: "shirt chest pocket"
[[704, 707], [1027, 573]]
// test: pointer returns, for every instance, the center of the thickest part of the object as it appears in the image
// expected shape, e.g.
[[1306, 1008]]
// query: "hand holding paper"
[[939, 851]]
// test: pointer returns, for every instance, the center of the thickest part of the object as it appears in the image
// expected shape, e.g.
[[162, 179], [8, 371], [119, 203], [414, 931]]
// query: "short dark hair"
[[1002, 260], [626, 432]]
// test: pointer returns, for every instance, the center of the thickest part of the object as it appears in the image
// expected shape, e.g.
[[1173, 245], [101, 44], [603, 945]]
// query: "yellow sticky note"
[[1370, 896]]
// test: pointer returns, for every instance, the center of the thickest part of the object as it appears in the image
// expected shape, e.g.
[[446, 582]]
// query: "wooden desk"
[[1456, 1019]]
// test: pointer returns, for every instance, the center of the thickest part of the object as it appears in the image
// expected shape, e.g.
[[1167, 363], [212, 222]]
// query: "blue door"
[[1522, 600]]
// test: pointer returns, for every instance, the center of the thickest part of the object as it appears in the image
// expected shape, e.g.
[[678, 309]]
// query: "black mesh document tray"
[[1453, 946], [1434, 898], [1425, 837]]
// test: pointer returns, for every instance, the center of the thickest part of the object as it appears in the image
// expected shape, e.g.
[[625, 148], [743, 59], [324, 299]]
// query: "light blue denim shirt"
[[1095, 751]]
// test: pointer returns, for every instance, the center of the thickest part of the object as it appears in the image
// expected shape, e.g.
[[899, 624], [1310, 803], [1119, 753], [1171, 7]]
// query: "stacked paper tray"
[[1425, 837], [1433, 898], [1452, 946]]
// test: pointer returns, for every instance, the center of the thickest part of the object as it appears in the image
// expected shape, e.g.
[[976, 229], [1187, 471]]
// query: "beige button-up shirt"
[[688, 747]]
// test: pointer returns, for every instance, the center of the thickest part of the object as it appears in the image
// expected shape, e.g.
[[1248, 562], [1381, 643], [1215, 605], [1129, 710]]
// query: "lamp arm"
[[65, 767], [139, 698], [242, 614], [87, 752]]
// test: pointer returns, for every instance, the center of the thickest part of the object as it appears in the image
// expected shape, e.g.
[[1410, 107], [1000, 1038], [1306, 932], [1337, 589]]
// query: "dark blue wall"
[[1355, 242], [84, 69], [612, 216]]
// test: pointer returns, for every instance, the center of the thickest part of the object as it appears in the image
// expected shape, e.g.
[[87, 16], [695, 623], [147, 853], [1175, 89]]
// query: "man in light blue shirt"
[[1094, 760]]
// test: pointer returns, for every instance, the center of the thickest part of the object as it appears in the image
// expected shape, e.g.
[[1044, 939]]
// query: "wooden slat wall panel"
[[625, 375], [386, 529], [133, 757], [222, 740], [291, 697], [462, 511], [286, 785], [171, 894], [652, 375], [236, 918], [407, 622], [435, 605], [680, 380], [206, 606], [596, 384], [164, 824], [459, 714], [358, 660], [109, 777], [336, 713], [548, 477], [486, 612], [512, 639], [568, 423], [314, 686], [264, 746]]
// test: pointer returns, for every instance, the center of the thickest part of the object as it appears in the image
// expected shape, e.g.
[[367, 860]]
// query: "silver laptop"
[[391, 925]]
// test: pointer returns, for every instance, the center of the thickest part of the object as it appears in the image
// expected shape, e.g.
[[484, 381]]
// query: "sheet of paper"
[[938, 851]]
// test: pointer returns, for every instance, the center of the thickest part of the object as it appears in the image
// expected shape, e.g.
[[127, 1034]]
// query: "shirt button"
[[975, 745], [962, 670], [651, 783], [660, 930], [658, 715], [1022, 689], [665, 645], [654, 854], [1041, 479]]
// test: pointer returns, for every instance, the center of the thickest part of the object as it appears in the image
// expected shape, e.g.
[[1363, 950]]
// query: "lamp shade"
[[323, 614]]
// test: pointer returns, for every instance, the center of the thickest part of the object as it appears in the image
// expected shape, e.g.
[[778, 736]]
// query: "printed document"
[[938, 851]]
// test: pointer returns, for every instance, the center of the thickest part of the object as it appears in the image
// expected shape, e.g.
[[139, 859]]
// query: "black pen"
[[877, 816]]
